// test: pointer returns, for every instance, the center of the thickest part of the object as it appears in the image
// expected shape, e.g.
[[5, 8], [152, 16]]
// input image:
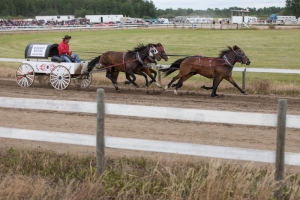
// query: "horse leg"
[[152, 71], [230, 79], [184, 78], [146, 79], [216, 82], [179, 84], [131, 75], [172, 81], [148, 72], [115, 74], [109, 75], [206, 88]]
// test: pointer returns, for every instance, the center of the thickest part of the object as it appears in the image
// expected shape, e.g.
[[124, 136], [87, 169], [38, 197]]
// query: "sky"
[[203, 5]]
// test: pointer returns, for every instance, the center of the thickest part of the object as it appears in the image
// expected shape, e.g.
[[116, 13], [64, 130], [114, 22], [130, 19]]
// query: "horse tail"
[[173, 67], [92, 63]]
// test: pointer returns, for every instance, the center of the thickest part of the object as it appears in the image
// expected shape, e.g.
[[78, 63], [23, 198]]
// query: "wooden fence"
[[281, 120]]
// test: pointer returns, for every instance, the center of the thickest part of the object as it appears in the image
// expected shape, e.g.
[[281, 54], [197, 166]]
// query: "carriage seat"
[[59, 59]]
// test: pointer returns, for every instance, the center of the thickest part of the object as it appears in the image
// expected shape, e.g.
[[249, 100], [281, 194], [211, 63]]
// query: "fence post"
[[159, 76], [280, 146], [244, 79], [100, 143]]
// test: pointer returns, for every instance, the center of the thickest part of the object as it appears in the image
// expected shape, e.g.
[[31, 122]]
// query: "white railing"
[[246, 118]]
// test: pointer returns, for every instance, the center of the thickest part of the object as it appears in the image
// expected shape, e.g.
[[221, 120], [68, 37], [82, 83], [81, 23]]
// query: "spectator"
[[65, 52]]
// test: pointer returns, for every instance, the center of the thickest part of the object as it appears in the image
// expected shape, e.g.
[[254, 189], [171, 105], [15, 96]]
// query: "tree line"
[[132, 8]]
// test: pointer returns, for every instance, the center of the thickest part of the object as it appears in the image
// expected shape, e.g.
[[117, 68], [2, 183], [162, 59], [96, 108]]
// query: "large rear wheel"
[[25, 75], [60, 77]]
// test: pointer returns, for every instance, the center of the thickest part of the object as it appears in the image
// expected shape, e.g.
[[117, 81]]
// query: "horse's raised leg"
[[184, 78], [148, 72], [153, 80], [230, 79], [131, 75]]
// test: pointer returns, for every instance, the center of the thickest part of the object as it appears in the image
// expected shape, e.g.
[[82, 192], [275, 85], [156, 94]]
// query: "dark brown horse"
[[215, 68], [124, 61], [147, 70]]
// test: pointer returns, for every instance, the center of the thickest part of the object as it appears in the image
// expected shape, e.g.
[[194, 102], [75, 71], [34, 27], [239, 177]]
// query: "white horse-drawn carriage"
[[59, 74]]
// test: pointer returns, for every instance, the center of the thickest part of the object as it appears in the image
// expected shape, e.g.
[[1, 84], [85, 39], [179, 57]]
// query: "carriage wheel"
[[60, 77], [25, 75], [84, 81]]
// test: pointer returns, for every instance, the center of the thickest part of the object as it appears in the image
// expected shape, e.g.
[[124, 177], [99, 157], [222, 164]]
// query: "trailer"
[[58, 18], [58, 74], [103, 18]]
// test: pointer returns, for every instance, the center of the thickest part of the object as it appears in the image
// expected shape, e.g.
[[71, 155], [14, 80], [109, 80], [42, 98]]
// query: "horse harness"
[[239, 58]]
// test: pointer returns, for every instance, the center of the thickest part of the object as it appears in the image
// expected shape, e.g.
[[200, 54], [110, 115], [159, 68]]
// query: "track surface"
[[156, 129]]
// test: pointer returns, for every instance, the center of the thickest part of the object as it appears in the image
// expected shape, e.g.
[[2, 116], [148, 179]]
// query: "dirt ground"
[[242, 136]]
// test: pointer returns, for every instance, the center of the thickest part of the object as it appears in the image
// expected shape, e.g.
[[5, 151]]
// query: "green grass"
[[265, 48]]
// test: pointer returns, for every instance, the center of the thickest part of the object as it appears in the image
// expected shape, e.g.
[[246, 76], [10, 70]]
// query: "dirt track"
[[155, 129]]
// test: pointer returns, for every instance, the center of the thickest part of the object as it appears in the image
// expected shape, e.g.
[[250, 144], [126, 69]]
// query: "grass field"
[[265, 48], [40, 174]]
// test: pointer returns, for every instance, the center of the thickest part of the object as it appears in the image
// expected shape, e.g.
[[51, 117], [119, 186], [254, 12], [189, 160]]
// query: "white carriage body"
[[58, 73], [45, 66]]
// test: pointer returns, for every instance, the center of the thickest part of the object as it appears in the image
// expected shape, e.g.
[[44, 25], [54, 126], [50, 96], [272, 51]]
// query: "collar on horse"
[[139, 58]]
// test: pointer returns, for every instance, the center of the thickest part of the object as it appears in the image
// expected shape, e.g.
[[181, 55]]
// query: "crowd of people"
[[34, 22]]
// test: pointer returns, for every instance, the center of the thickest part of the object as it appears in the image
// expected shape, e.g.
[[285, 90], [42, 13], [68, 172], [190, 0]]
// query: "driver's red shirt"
[[63, 48]]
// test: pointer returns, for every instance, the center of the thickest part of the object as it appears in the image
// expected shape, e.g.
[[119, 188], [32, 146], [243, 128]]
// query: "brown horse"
[[127, 61], [215, 68], [147, 70]]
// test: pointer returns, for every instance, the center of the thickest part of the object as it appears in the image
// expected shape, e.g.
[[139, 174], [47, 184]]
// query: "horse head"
[[153, 53], [162, 51], [240, 55]]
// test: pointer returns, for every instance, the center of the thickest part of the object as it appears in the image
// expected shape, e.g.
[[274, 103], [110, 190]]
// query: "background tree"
[[292, 7]]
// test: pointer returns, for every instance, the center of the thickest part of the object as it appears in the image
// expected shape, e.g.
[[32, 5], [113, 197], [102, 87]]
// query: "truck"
[[281, 19]]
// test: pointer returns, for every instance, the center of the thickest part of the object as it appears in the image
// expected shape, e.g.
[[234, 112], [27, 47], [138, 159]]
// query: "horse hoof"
[[245, 93], [157, 84], [175, 92], [165, 88]]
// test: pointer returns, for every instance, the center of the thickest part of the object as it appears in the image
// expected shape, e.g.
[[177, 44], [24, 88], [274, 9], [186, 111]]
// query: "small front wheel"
[[60, 77], [83, 81], [25, 75]]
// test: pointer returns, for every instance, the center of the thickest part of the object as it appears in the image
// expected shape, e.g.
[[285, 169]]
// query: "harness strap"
[[139, 58], [123, 60], [199, 59], [227, 61]]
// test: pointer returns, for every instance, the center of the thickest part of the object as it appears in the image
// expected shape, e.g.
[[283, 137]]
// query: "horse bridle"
[[161, 49], [151, 55], [240, 56]]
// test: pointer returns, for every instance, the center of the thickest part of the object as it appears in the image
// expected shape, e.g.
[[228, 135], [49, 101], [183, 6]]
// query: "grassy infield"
[[45, 175]]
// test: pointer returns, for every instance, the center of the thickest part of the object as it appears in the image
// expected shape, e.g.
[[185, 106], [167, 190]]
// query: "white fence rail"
[[151, 145], [228, 117]]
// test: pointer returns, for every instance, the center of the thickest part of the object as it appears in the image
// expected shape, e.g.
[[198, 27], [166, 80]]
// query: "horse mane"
[[223, 52], [138, 48]]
